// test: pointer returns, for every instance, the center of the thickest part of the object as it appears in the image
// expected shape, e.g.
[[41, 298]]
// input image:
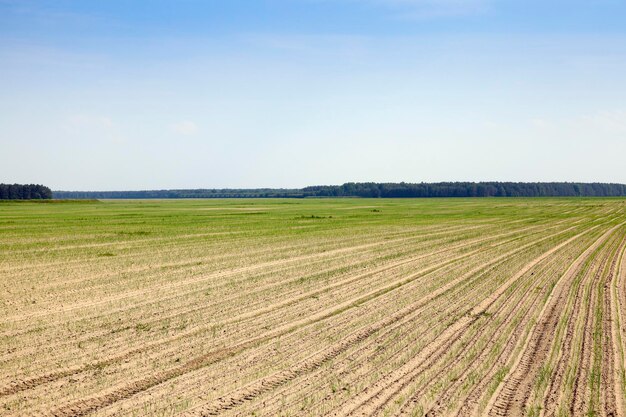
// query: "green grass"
[[26, 225]]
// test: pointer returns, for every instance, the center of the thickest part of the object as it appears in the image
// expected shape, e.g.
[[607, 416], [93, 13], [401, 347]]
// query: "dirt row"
[[511, 316], [247, 394]]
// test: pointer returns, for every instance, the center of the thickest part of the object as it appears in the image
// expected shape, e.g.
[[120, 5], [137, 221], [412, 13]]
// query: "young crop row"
[[412, 308]]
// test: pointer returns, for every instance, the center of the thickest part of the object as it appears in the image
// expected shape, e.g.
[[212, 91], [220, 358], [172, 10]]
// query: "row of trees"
[[380, 190], [197, 193], [24, 192], [469, 189]]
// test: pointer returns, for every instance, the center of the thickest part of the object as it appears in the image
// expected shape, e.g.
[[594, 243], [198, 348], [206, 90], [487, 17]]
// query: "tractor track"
[[511, 399]]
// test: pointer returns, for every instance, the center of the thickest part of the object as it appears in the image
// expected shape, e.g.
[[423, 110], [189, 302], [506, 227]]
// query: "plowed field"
[[338, 307]]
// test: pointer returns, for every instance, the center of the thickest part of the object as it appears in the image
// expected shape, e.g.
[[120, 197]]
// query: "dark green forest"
[[378, 190], [24, 192]]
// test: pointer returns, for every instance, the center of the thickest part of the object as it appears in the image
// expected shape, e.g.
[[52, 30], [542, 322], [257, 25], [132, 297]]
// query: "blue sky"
[[114, 95]]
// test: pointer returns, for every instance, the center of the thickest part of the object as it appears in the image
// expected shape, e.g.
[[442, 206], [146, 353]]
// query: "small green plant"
[[142, 327]]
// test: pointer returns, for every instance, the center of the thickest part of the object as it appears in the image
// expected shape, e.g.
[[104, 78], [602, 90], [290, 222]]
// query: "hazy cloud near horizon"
[[103, 96]]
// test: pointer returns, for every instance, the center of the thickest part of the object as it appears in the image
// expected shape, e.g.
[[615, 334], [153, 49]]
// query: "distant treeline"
[[469, 189], [24, 192], [379, 190], [196, 193]]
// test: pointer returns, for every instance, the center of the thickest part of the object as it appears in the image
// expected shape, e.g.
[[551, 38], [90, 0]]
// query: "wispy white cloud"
[[91, 127], [80, 122], [491, 125], [40, 13], [442, 7], [185, 127], [613, 121], [430, 8], [541, 123], [601, 123]]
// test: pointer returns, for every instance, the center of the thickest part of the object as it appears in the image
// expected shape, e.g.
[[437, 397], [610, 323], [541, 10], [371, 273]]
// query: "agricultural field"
[[338, 307]]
